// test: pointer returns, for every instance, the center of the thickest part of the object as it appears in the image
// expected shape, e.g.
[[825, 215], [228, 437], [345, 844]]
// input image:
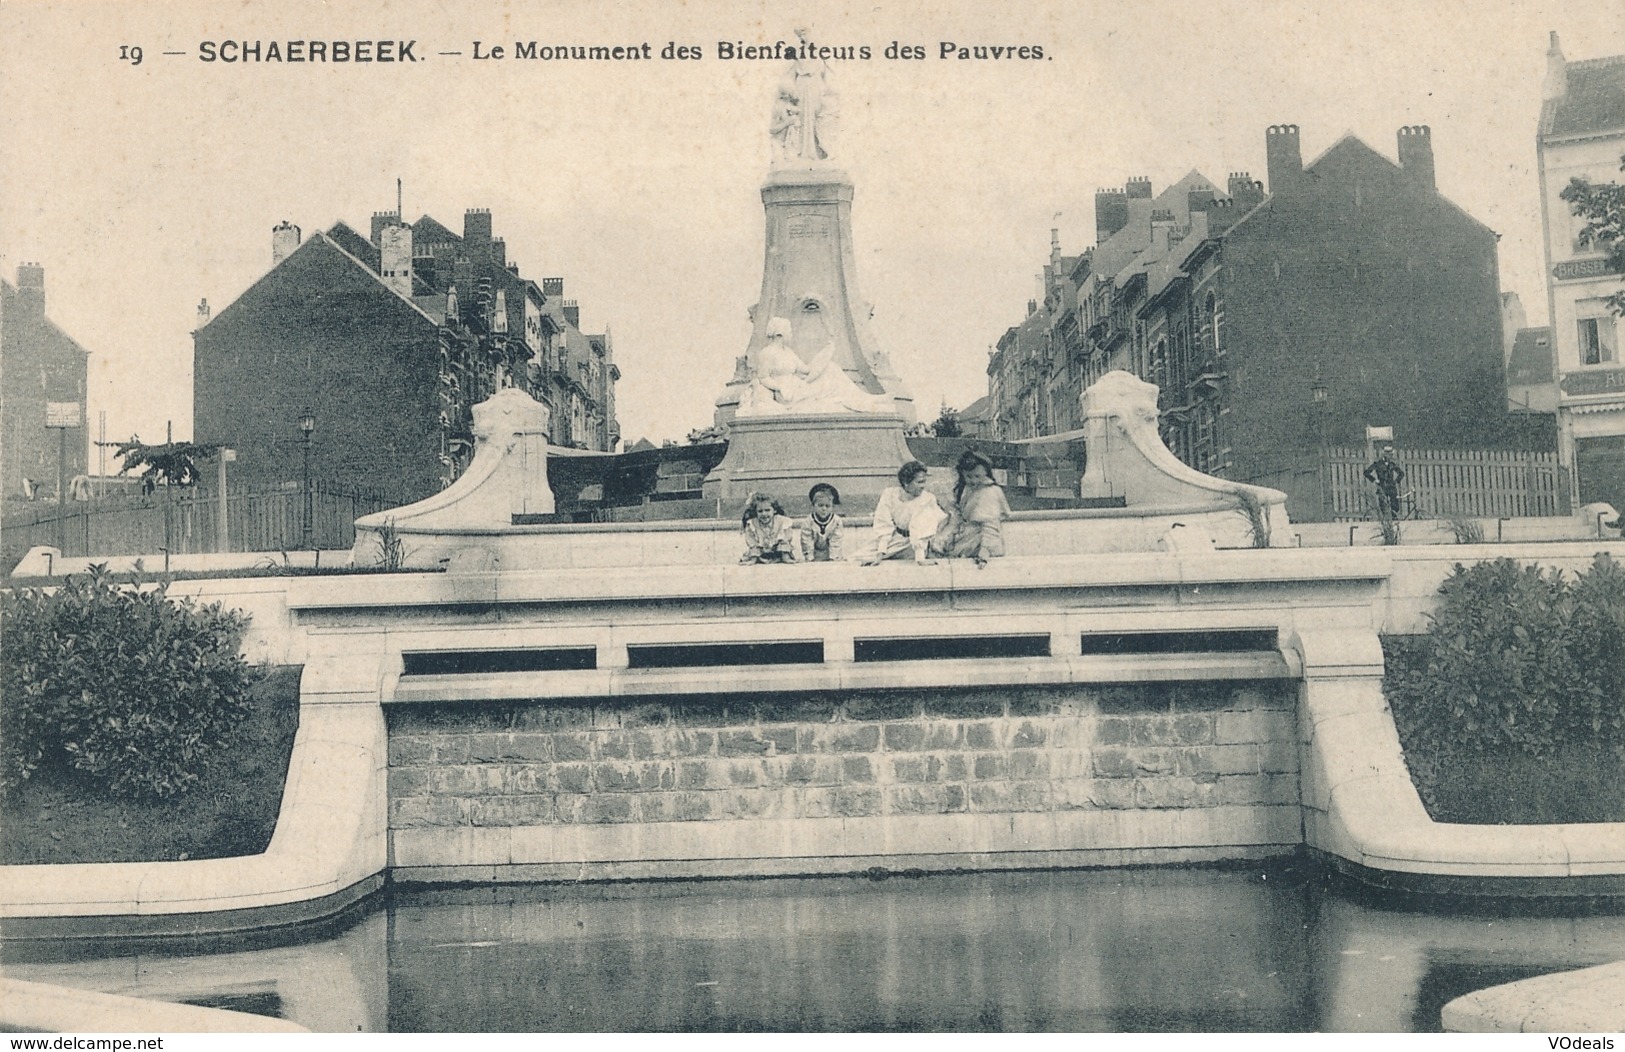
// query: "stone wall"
[[1119, 748]]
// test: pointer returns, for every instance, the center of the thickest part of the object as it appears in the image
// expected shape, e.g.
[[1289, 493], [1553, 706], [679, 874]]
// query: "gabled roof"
[[353, 243], [430, 231], [327, 243], [1531, 359], [10, 291], [1593, 102]]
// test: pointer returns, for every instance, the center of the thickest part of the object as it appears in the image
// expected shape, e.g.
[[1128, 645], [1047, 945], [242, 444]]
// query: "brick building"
[[389, 340], [1353, 275], [39, 363], [1582, 135]]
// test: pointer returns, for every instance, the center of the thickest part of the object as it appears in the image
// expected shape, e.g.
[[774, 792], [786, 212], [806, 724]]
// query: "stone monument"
[[812, 399]]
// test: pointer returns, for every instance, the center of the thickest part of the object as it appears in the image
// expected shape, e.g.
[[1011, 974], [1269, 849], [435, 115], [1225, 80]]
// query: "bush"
[[1515, 657], [130, 688]]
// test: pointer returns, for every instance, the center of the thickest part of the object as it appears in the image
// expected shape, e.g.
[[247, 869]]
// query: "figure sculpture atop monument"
[[802, 112]]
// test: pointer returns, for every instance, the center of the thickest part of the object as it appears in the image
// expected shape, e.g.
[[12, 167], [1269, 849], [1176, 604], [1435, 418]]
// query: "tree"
[[1602, 206], [947, 423], [170, 464]]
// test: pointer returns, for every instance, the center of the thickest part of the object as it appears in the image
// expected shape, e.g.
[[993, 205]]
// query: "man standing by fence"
[[1387, 474]]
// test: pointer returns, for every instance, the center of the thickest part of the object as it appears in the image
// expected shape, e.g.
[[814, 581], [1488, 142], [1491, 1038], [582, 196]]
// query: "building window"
[[1599, 340]]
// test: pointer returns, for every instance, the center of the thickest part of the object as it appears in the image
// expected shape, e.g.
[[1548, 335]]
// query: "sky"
[[142, 189]]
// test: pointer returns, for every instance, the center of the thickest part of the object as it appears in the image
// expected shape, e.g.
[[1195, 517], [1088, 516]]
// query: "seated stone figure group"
[[909, 522]]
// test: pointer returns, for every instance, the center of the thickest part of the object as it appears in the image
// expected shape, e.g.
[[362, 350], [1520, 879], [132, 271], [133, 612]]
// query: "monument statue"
[[781, 382], [802, 112]]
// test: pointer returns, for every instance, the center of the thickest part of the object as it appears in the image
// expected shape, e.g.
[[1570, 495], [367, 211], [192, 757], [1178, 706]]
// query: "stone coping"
[[1240, 567], [330, 835], [26, 1006], [1591, 1001]]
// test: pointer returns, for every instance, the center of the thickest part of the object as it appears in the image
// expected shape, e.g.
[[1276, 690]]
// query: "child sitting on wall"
[[982, 509], [821, 530], [770, 535], [907, 517]]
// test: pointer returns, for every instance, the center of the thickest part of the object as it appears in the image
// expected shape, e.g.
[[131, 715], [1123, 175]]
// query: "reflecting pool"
[[1277, 948]]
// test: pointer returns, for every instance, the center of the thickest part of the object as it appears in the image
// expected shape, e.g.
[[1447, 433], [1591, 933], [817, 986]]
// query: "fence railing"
[[1444, 483], [187, 524]]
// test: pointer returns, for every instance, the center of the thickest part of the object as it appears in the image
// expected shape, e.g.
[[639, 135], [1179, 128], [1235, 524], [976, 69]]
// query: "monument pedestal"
[[857, 453]]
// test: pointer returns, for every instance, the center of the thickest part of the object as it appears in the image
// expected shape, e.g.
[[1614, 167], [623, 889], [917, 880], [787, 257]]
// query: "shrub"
[[1465, 529], [1515, 657], [126, 686]]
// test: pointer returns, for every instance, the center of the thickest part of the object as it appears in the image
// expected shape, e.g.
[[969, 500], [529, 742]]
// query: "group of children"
[[909, 522]]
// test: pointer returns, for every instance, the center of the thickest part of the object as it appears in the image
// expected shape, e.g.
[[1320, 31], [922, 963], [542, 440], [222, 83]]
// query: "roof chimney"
[[499, 252], [572, 313], [553, 287], [395, 257], [284, 239], [1416, 154], [1285, 156], [203, 312], [1245, 191], [381, 220], [477, 226], [1556, 83], [1054, 246], [1139, 186], [1111, 214], [31, 288]]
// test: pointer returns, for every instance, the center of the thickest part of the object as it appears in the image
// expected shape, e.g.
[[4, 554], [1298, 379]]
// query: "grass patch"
[[56, 817]]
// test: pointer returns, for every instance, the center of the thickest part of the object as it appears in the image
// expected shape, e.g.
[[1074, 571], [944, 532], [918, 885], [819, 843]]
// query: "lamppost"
[[307, 424], [1317, 394]]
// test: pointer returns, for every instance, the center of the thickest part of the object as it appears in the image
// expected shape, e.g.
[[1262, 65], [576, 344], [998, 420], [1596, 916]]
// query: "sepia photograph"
[[812, 517]]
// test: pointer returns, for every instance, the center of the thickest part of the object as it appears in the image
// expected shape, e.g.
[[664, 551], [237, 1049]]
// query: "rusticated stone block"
[[1156, 762], [1114, 730], [1070, 763], [926, 767], [753, 803], [612, 745], [1193, 728], [1028, 735], [1154, 730], [526, 778], [530, 746], [904, 737], [1001, 797], [857, 801], [1127, 698], [1203, 696], [815, 802], [941, 736], [1257, 725], [956, 767], [807, 708], [782, 738], [964, 705], [649, 743], [1259, 789], [701, 774], [805, 770], [1115, 794], [645, 715], [567, 806], [1113, 763], [615, 777], [405, 751], [451, 749], [553, 717], [468, 780], [572, 747], [488, 748], [881, 706], [741, 743], [925, 799], [745, 773], [411, 781], [676, 807], [982, 735], [1278, 756], [601, 809], [1220, 759], [988, 766], [425, 811], [857, 770], [1026, 764], [693, 743], [572, 778], [703, 712], [513, 811], [1073, 794], [1173, 792], [847, 738]]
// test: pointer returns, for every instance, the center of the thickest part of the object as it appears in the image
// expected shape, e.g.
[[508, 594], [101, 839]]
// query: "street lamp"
[[307, 424], [1318, 393]]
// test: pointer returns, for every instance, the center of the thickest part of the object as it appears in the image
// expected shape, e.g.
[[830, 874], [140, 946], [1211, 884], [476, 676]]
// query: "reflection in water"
[[1270, 948]]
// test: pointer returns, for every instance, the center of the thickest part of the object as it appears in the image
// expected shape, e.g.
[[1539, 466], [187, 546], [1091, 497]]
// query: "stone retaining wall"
[[685, 760]]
